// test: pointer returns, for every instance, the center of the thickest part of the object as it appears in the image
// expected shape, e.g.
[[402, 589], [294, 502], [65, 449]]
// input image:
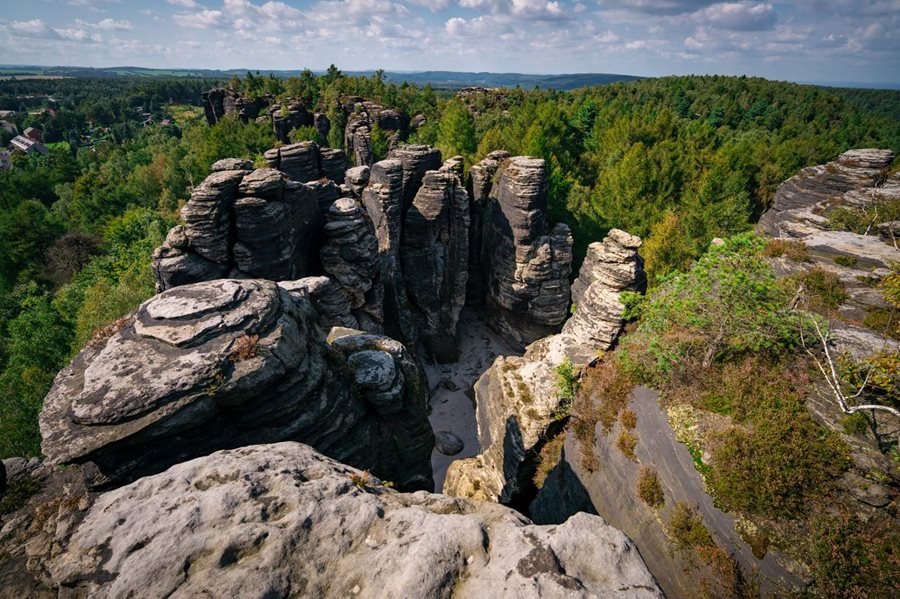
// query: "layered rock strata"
[[479, 184], [229, 363], [350, 256], [435, 255], [518, 401], [282, 520], [416, 161], [527, 263], [244, 224]]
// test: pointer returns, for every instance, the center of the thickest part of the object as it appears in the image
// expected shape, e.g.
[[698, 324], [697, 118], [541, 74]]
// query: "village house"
[[28, 146]]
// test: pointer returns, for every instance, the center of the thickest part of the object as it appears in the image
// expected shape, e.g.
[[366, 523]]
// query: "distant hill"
[[438, 79]]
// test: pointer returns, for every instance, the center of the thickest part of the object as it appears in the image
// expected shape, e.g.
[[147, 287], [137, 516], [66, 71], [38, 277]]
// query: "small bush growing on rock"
[[795, 250], [776, 466], [567, 384], [822, 290], [244, 348], [17, 495], [686, 528], [626, 442], [649, 488], [628, 419], [549, 457], [849, 261], [103, 334], [853, 558]]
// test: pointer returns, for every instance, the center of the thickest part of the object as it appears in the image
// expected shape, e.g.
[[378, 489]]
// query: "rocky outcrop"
[[298, 161], [219, 102], [803, 202], [333, 163], [328, 298], [479, 184], [229, 363], [242, 223], [282, 520], [289, 116], [857, 182], [610, 267], [350, 256], [610, 490], [416, 160], [435, 254], [518, 401], [382, 200], [527, 263]]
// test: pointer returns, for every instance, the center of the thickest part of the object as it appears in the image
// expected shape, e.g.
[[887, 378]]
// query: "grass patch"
[[626, 442], [795, 250], [649, 488], [548, 458]]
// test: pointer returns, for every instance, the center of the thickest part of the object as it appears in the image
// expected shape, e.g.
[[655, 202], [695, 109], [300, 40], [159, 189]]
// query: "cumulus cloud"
[[657, 7], [205, 19], [739, 16], [183, 3]]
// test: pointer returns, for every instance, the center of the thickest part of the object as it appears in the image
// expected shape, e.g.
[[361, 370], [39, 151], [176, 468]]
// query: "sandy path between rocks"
[[454, 411]]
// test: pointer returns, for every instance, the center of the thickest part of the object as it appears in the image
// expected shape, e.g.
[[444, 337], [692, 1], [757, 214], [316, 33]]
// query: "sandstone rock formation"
[[218, 102], [350, 256], [416, 161], [518, 401], [228, 363], [610, 267], [527, 263], [298, 161], [479, 184], [857, 181], [435, 255], [243, 223], [609, 491], [289, 116], [282, 520]]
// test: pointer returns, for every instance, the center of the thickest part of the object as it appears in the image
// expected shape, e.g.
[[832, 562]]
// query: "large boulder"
[[229, 363], [527, 263], [282, 520], [298, 161], [435, 258]]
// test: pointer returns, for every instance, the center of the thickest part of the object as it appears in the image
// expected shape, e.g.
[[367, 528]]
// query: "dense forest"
[[677, 160]]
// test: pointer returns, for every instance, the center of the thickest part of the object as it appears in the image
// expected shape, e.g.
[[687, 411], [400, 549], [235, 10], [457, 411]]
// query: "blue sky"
[[811, 40]]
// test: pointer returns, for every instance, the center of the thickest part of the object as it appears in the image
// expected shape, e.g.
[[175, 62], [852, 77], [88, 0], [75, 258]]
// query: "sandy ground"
[[454, 411]]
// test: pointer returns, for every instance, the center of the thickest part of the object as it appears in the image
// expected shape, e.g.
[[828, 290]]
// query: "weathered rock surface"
[[328, 298], [287, 117], [229, 363], [218, 102], [244, 223], [435, 255], [333, 163], [383, 202], [610, 267], [350, 256], [527, 263], [479, 184], [517, 399], [610, 490], [282, 520], [298, 161], [416, 161], [803, 202]]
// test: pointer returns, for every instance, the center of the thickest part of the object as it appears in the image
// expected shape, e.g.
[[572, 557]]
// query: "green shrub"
[[648, 487], [567, 386], [855, 424], [822, 291], [686, 528], [626, 442], [849, 261], [305, 133], [795, 250], [777, 465], [854, 558]]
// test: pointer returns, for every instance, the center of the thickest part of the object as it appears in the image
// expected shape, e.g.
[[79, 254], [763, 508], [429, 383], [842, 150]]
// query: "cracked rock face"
[[479, 184], [350, 256], [226, 363], [435, 257], [243, 223], [527, 263], [416, 161], [282, 520]]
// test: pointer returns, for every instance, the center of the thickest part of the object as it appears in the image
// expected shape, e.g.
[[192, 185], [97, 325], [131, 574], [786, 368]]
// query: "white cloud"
[[35, 28], [433, 5], [183, 3], [107, 24], [205, 19], [739, 16]]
